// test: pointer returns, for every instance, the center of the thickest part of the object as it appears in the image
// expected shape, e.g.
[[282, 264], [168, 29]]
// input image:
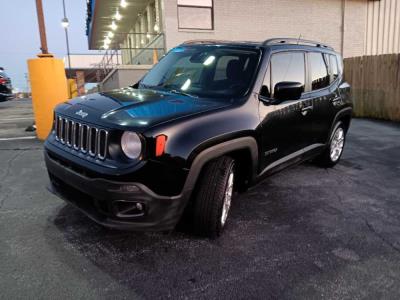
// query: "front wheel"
[[213, 197], [333, 153]]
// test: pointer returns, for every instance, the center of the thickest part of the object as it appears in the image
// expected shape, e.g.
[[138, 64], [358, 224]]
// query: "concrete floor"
[[303, 233]]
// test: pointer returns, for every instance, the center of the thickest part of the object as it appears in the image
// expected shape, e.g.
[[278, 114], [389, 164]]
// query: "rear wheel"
[[213, 197], [333, 153]]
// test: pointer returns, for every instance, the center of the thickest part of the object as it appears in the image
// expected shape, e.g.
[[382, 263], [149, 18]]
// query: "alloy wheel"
[[337, 144], [227, 199]]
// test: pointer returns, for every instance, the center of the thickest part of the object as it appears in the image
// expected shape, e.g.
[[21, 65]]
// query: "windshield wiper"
[[182, 93]]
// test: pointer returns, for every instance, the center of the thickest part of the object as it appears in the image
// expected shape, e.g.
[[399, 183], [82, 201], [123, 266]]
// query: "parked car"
[[211, 118], [5, 86]]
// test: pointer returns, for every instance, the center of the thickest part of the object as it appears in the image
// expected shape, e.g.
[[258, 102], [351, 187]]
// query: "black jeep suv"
[[211, 118], [5, 86]]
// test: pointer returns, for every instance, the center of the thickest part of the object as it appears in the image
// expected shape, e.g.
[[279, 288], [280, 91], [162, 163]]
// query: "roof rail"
[[203, 42], [294, 41]]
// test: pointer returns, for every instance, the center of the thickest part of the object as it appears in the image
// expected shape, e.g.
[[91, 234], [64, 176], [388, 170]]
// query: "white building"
[[143, 30]]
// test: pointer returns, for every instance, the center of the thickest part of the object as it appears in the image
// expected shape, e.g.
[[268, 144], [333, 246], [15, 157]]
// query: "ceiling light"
[[107, 40], [113, 26], [64, 22], [118, 16], [142, 42], [110, 34], [105, 46], [148, 35], [156, 28], [123, 3]]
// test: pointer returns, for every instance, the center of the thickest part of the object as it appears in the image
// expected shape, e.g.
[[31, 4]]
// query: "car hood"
[[135, 108]]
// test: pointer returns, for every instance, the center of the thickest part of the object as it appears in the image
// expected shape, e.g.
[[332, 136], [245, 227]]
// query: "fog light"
[[128, 209]]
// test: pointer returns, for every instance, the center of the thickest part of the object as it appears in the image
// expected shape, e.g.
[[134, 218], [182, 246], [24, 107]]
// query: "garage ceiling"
[[104, 13]]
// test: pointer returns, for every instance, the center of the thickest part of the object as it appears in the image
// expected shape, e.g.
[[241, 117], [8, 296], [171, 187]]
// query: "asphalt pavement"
[[304, 233]]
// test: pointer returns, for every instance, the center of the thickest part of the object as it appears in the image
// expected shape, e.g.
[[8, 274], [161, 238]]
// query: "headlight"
[[131, 144]]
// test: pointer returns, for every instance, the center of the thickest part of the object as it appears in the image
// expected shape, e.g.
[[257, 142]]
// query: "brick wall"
[[261, 19]]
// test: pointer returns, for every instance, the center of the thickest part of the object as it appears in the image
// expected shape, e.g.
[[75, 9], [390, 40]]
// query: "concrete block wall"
[[258, 20], [123, 76]]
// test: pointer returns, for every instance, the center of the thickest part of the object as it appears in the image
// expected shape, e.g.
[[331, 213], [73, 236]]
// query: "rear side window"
[[340, 64], [319, 71], [287, 66], [334, 67]]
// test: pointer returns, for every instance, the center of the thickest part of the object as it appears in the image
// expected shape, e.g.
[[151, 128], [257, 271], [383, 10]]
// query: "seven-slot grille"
[[81, 137]]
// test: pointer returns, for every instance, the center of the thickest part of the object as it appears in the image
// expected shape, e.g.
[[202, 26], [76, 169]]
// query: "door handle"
[[305, 110]]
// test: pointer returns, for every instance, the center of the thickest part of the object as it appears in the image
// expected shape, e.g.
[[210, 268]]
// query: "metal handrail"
[[294, 41], [112, 57]]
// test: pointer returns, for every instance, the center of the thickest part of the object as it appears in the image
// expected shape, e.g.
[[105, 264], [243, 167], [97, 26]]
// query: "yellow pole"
[[155, 56], [73, 89], [49, 88]]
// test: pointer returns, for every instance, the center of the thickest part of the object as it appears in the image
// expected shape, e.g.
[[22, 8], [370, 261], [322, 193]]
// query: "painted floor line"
[[15, 119], [18, 138]]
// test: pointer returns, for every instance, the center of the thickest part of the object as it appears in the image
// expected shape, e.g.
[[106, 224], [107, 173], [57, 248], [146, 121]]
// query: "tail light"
[[3, 81]]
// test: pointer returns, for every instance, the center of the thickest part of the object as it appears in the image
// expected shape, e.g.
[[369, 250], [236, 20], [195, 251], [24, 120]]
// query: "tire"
[[213, 197], [332, 154]]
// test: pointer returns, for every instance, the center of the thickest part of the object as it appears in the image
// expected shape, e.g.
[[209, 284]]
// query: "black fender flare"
[[218, 150], [345, 112]]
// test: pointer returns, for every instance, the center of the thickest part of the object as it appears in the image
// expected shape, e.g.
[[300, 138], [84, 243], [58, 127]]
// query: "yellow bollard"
[[49, 88], [155, 56], [72, 88]]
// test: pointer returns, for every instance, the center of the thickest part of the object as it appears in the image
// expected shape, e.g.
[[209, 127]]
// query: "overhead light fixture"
[[105, 46], [118, 16], [110, 34], [113, 26], [123, 3], [107, 40], [64, 22], [148, 35], [142, 41], [156, 28]]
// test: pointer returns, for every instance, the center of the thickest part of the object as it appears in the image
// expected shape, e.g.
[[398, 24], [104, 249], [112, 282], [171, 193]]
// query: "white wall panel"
[[383, 27]]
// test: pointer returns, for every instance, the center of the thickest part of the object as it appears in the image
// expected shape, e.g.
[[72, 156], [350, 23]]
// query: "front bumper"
[[5, 96], [115, 204]]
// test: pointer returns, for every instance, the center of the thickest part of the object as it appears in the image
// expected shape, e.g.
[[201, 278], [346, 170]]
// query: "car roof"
[[273, 44]]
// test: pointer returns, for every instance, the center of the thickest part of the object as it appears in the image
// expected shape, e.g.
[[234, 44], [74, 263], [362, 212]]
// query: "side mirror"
[[265, 96], [288, 90]]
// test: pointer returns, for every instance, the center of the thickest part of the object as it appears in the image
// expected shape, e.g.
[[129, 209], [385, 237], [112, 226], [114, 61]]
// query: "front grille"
[[82, 137]]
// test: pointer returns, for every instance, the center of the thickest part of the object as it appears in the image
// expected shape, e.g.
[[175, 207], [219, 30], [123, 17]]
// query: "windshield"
[[204, 71]]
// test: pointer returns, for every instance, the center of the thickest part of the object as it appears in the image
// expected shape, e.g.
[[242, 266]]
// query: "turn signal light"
[[160, 144]]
